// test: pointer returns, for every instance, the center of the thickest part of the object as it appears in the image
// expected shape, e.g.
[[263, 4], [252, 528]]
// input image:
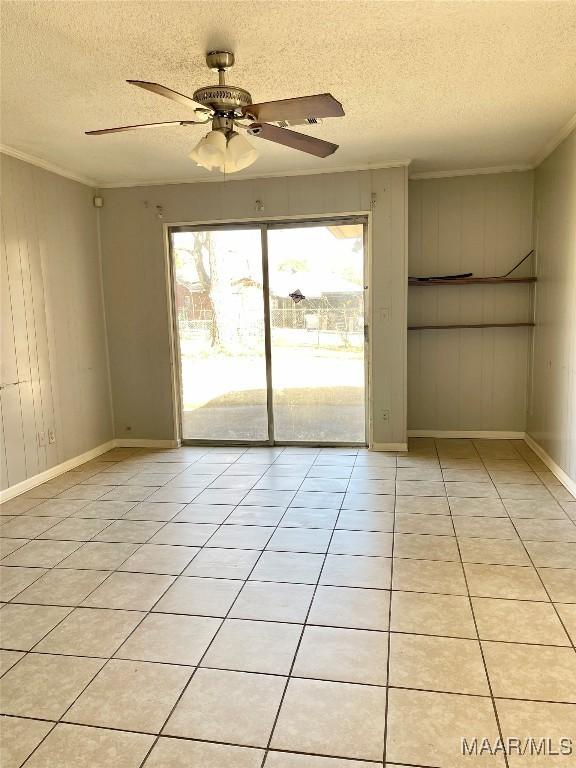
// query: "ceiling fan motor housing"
[[222, 98]]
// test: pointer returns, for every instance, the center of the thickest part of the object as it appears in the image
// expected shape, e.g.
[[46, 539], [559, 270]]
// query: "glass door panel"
[[218, 287], [317, 342]]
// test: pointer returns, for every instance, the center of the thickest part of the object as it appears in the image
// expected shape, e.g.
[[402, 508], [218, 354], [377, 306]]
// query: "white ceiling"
[[449, 85]]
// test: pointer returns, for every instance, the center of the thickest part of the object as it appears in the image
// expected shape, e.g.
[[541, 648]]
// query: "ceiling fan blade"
[[301, 141], [168, 93], [142, 125], [301, 107]]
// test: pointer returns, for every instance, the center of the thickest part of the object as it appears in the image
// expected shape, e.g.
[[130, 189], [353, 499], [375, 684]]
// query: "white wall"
[[469, 379], [134, 279], [552, 418], [54, 373]]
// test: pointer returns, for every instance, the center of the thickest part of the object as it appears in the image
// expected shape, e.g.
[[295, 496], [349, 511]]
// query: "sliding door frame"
[[265, 225]]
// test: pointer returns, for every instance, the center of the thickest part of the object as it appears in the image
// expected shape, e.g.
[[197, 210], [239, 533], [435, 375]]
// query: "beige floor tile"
[[155, 511], [18, 738], [300, 540], [203, 513], [99, 556], [159, 558], [293, 567], [8, 659], [76, 529], [130, 591], [254, 646], [177, 753], [62, 587], [104, 510], [420, 488], [200, 596], [170, 639], [357, 571], [90, 632], [552, 554], [309, 721], [526, 720], [19, 505], [427, 728], [350, 607], [460, 475], [493, 551], [184, 534], [344, 655], [538, 510], [273, 602], [511, 581], [45, 686], [42, 554], [437, 663], [72, 746], [568, 616], [369, 502], [524, 491], [288, 760], [484, 527], [560, 583], [22, 626], [419, 473], [232, 707], [7, 546], [546, 530], [427, 505], [366, 543], [360, 520], [426, 547], [531, 671], [242, 537], [423, 523], [129, 493], [131, 695], [28, 527], [463, 507], [518, 621], [129, 531], [300, 517], [262, 516], [223, 563], [471, 490], [87, 492], [428, 576], [432, 614]]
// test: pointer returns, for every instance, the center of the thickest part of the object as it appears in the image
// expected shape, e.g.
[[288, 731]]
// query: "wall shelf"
[[472, 281], [479, 325]]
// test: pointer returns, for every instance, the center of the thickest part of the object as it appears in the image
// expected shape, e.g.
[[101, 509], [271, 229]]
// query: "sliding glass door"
[[270, 327]]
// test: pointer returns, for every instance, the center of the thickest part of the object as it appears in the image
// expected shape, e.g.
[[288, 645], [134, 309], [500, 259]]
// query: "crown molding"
[[46, 166], [471, 171], [257, 176], [551, 145]]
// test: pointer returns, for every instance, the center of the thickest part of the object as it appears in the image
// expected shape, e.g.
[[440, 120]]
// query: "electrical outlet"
[[385, 416], [42, 439], [51, 437]]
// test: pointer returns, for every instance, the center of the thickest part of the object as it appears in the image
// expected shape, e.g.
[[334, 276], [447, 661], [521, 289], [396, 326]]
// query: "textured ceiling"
[[449, 85]]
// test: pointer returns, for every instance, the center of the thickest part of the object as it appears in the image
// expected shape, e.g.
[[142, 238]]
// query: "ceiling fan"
[[229, 107]]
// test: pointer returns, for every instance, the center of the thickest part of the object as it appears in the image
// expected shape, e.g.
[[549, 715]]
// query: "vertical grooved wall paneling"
[[469, 379], [53, 372]]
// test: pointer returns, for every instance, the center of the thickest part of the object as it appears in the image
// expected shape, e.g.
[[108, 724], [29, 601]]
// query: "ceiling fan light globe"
[[240, 153], [212, 149]]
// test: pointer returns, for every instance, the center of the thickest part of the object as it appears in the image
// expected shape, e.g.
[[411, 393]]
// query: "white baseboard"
[[59, 469], [565, 479], [136, 443], [389, 447], [470, 434], [66, 466]]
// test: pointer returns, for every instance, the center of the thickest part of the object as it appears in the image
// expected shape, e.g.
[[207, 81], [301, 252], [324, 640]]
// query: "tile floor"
[[288, 608]]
